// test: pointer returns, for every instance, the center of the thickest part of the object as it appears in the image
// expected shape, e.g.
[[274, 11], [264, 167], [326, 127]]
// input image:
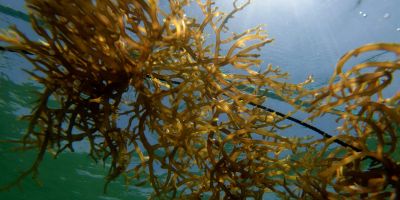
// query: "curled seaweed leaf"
[[368, 115]]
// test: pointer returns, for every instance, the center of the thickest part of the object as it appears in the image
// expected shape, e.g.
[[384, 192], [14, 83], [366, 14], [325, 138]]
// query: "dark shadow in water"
[[12, 98], [14, 13]]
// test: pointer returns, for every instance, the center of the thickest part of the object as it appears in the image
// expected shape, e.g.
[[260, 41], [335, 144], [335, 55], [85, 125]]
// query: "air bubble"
[[398, 29], [386, 15], [363, 14]]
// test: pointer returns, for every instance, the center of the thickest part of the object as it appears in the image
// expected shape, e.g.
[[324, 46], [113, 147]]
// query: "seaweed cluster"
[[370, 119], [138, 80]]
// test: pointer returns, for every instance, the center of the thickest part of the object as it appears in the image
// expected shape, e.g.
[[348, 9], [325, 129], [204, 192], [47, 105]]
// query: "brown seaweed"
[[107, 60]]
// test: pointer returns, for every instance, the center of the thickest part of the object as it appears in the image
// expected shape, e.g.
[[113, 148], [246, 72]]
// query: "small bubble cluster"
[[363, 14]]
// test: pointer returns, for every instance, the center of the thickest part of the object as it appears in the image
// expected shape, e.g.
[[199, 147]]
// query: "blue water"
[[310, 36]]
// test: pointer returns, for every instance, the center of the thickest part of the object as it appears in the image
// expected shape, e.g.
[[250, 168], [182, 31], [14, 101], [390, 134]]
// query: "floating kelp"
[[105, 61]]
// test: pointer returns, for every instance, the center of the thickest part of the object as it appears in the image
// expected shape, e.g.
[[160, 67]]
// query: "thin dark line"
[[375, 56], [309, 126], [15, 51], [14, 13]]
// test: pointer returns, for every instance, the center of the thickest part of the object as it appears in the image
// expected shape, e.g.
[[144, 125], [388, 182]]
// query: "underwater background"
[[310, 36]]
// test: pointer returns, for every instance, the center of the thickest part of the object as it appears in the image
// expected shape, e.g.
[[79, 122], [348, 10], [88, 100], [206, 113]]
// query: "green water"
[[69, 176]]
